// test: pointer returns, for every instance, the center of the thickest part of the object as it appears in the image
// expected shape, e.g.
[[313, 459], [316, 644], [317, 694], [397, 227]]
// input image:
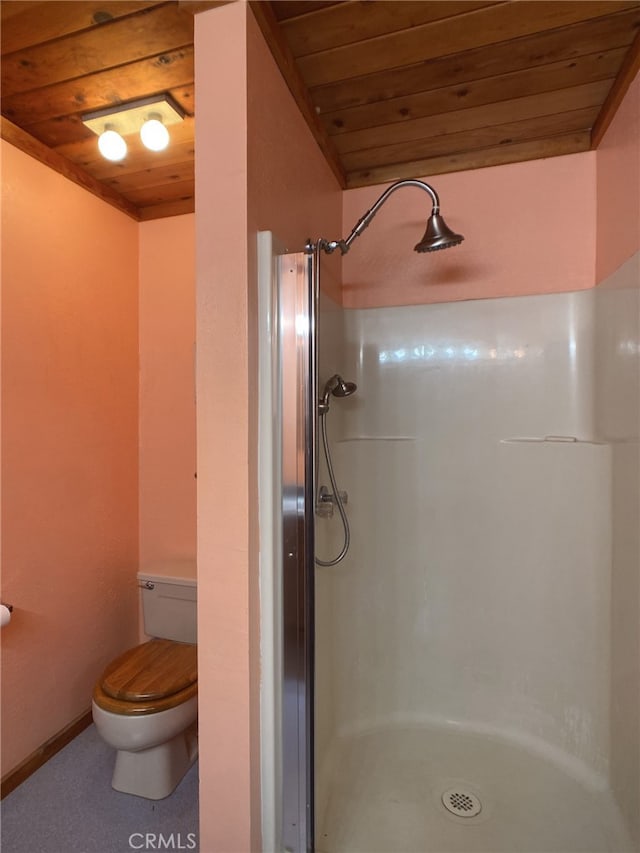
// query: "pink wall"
[[293, 192], [528, 227], [167, 464], [618, 186], [69, 447], [262, 170], [223, 430]]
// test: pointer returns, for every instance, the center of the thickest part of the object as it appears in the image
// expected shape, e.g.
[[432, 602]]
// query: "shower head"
[[339, 388], [437, 236], [342, 388]]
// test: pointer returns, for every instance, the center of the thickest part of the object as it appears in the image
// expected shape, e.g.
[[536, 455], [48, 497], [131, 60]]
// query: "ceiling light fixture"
[[149, 117], [154, 134], [112, 146]]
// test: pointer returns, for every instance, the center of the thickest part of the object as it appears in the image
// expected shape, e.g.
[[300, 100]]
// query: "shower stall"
[[477, 649], [464, 677]]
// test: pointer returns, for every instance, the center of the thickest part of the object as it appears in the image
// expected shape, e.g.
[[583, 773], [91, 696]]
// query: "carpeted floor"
[[69, 806]]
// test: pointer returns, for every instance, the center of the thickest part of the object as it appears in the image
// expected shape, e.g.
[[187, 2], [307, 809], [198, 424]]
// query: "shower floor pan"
[[434, 790]]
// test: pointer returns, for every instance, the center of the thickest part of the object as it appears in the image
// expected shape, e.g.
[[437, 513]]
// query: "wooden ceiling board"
[[518, 109], [389, 89], [166, 208], [554, 146], [565, 43], [490, 25], [285, 9], [15, 7], [149, 32], [56, 19], [471, 140], [148, 196], [490, 90], [135, 173], [158, 176], [625, 77], [102, 89], [358, 21]]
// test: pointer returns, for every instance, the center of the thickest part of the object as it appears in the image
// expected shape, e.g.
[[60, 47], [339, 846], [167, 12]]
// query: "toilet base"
[[155, 773]]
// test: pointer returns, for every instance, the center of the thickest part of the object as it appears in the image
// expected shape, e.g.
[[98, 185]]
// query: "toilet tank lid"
[[182, 572]]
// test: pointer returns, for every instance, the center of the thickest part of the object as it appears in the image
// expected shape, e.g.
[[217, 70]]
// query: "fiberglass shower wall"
[[617, 418], [489, 459]]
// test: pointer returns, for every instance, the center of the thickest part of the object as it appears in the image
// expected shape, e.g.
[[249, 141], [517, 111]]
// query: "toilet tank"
[[169, 600]]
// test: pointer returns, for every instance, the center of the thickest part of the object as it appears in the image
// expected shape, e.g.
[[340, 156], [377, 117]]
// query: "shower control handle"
[[327, 497]]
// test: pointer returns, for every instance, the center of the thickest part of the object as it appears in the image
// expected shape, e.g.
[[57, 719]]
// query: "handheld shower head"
[[337, 386], [342, 388]]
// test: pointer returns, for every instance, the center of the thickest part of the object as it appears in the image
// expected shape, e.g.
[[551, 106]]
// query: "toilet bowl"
[[145, 704]]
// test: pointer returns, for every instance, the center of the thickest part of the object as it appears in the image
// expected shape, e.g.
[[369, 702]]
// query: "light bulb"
[[112, 145], [154, 134]]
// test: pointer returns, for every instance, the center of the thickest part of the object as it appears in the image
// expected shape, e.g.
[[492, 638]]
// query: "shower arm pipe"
[[344, 245]]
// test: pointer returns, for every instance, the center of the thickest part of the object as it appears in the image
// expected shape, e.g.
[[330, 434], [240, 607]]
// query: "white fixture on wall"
[[150, 117]]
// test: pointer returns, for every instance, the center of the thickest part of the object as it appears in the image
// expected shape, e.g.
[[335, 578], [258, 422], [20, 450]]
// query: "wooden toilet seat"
[[156, 676]]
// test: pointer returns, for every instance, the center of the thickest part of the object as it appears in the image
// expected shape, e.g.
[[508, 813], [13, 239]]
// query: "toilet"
[[145, 704]]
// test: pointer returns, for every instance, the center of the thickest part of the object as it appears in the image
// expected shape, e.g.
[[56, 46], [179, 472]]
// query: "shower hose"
[[336, 497]]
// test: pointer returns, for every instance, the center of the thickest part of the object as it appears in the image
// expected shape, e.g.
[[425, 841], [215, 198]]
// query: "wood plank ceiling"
[[405, 89], [389, 89], [61, 60]]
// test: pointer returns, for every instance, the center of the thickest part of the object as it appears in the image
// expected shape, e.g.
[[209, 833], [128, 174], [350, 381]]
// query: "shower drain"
[[461, 803]]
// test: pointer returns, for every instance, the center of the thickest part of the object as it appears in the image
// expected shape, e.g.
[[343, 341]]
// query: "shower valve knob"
[[327, 497]]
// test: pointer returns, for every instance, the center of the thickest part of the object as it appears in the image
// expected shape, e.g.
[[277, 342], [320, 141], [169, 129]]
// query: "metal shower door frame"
[[298, 398]]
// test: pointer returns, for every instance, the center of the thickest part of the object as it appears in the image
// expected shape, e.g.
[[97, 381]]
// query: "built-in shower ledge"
[[375, 438], [550, 439]]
